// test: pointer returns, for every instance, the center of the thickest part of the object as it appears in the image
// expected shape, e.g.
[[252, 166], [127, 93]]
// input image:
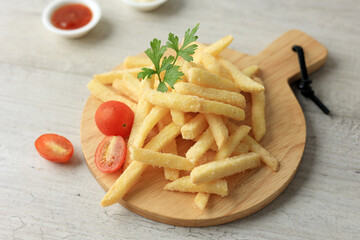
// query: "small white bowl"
[[145, 6], [75, 33]]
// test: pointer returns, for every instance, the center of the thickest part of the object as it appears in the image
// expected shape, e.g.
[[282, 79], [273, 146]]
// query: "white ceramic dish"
[[76, 33], [144, 6]]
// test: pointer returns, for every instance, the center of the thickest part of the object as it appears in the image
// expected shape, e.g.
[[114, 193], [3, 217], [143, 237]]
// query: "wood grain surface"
[[249, 191], [43, 89]]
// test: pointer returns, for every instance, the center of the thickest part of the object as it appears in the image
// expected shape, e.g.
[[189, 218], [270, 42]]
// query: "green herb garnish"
[[156, 52]]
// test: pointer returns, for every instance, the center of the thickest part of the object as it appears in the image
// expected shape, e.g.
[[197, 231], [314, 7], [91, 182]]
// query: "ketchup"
[[71, 16]]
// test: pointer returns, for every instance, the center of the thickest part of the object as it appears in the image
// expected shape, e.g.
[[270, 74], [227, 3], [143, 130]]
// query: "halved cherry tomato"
[[114, 118], [54, 147], [110, 154]]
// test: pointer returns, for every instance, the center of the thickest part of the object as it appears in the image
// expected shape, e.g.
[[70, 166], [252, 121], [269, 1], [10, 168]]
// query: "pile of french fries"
[[205, 107]]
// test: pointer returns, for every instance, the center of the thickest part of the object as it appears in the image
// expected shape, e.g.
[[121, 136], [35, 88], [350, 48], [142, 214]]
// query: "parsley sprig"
[[156, 52]]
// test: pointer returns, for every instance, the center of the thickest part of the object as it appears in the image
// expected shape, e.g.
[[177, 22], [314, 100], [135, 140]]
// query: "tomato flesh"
[[54, 147], [110, 154], [114, 118]]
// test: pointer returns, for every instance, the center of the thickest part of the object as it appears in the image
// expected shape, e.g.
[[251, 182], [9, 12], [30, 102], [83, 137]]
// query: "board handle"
[[283, 64]]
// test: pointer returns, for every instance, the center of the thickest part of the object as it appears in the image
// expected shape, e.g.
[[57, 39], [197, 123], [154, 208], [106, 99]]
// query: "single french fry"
[[228, 148], [105, 94], [137, 62], [200, 147], [194, 127], [128, 86], [215, 48], [129, 177], [218, 169], [141, 112], [210, 63], [201, 200], [178, 117], [161, 159], [251, 70], [265, 156], [241, 148], [184, 184], [243, 82], [187, 103], [109, 77], [164, 137], [258, 113], [218, 129], [169, 173], [207, 79], [155, 115], [233, 98]]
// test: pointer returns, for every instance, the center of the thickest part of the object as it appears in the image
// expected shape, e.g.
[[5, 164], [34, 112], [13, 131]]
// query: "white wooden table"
[[43, 89]]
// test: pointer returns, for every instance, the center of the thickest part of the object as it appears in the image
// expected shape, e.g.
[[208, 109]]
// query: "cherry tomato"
[[114, 118], [110, 154], [54, 147]]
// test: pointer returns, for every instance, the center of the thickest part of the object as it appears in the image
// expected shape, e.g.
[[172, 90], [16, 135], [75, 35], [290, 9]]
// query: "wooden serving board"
[[249, 191]]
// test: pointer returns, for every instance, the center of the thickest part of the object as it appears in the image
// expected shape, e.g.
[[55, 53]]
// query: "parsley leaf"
[[156, 53]]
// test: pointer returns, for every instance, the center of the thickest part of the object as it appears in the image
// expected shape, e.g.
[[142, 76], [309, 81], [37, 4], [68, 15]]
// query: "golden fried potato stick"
[[141, 112], [187, 103], [210, 63], [178, 117], [137, 62], [258, 113], [155, 115], [109, 77], [265, 156], [243, 82], [201, 146], [128, 86], [207, 79], [233, 98], [251, 70], [105, 94], [241, 148], [129, 177], [184, 184], [160, 159], [201, 199], [169, 173], [218, 46], [218, 129], [218, 169], [194, 127], [234, 140]]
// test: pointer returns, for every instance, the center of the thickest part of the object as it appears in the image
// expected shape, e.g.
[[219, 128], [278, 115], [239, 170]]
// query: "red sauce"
[[71, 16]]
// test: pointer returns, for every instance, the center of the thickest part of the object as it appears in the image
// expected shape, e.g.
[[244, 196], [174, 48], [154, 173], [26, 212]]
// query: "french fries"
[[109, 77], [202, 107], [218, 129], [207, 79], [194, 127], [243, 82], [131, 174], [218, 169], [128, 86], [185, 184], [137, 62], [105, 94], [266, 157], [215, 48], [188, 103], [161, 159], [200, 147], [258, 113], [233, 98]]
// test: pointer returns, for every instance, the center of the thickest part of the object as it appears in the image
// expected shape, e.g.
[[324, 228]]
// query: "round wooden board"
[[249, 191]]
